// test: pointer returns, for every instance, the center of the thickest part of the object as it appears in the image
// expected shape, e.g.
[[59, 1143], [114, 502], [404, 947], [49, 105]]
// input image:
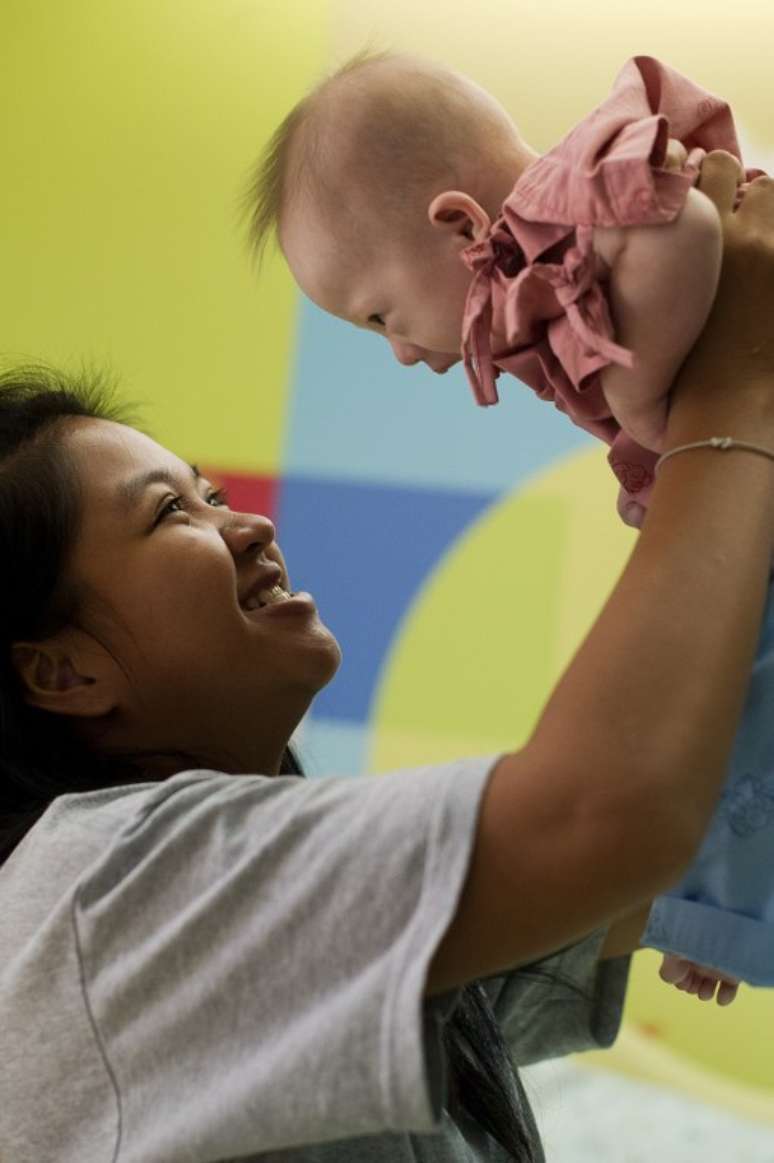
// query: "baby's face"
[[409, 288]]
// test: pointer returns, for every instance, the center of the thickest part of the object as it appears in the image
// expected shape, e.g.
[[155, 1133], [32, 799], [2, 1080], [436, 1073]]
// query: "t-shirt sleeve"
[[565, 1003], [254, 952]]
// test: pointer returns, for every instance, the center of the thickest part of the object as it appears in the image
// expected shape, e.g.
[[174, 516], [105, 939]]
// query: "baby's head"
[[375, 183]]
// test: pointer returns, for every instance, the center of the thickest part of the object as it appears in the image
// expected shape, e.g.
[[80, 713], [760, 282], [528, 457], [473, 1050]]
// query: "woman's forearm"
[[652, 699], [607, 802]]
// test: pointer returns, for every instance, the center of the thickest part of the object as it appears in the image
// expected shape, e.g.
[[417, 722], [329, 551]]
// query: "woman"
[[203, 963]]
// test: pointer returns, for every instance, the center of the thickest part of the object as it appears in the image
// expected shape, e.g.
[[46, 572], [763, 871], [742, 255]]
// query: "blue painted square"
[[364, 551]]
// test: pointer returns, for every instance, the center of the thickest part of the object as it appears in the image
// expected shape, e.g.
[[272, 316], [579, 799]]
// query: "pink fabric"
[[537, 305]]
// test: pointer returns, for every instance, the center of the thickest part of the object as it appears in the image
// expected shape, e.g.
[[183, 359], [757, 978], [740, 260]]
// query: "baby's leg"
[[693, 978]]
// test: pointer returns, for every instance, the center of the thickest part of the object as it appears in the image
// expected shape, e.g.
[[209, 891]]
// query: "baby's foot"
[[693, 978]]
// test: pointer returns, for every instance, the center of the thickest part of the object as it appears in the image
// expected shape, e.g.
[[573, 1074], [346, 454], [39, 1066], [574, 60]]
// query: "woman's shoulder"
[[213, 920], [197, 825]]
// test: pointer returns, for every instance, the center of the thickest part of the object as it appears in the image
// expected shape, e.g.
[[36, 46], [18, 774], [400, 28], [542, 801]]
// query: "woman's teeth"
[[267, 598]]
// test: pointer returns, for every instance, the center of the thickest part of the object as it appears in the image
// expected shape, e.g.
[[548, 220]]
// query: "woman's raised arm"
[[608, 801]]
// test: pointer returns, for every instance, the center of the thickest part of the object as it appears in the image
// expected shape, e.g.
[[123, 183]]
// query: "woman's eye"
[[168, 508], [217, 497]]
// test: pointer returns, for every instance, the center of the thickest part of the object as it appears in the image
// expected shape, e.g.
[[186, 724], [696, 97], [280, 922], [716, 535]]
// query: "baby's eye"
[[377, 319]]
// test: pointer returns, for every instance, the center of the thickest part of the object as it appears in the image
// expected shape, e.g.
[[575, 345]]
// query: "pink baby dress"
[[537, 305]]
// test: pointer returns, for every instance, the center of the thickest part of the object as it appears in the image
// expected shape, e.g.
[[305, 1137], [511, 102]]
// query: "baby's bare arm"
[[662, 285]]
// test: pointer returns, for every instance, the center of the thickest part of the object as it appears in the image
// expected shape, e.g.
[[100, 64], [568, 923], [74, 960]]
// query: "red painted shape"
[[247, 492]]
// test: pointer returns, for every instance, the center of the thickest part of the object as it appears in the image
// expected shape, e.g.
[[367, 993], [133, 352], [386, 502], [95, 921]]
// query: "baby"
[[406, 202]]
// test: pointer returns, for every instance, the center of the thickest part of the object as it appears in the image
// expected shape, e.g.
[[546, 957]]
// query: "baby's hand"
[[693, 978]]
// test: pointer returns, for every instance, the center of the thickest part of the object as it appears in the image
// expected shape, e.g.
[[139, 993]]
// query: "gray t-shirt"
[[217, 967]]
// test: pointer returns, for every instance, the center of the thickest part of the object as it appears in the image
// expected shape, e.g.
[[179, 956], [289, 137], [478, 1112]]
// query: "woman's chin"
[[322, 658], [330, 658]]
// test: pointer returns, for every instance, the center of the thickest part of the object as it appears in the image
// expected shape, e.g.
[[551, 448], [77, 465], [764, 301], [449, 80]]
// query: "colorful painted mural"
[[426, 528]]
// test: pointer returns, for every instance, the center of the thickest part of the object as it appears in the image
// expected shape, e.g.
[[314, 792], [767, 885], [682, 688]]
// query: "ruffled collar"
[[499, 251], [501, 269]]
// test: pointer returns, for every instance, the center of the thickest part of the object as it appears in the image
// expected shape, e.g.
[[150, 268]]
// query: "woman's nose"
[[247, 532], [406, 353]]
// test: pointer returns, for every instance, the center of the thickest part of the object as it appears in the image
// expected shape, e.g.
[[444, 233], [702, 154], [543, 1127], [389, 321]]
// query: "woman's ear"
[[67, 677], [460, 214]]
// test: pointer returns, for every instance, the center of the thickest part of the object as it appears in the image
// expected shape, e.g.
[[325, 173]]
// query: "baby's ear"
[[459, 213]]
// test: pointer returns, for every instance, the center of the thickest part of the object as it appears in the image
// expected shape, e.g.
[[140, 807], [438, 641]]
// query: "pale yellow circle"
[[472, 664]]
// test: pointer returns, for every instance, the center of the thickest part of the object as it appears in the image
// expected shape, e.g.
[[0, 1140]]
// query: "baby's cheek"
[[451, 313]]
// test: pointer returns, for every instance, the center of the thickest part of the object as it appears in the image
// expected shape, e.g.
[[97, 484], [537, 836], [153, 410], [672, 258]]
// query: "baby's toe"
[[727, 991], [707, 987]]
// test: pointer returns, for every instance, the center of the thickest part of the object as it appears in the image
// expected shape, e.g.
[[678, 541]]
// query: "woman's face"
[[168, 571]]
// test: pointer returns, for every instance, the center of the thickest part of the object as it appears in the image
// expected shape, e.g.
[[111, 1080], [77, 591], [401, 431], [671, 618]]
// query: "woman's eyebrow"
[[129, 492]]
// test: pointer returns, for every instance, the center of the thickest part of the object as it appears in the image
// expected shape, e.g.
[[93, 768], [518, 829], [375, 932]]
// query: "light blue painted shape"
[[356, 414], [331, 746]]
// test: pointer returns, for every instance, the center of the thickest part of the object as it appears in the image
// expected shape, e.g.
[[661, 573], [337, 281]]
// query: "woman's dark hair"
[[41, 758]]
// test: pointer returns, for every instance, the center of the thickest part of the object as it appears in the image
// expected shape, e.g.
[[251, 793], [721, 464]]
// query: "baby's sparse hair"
[[383, 130]]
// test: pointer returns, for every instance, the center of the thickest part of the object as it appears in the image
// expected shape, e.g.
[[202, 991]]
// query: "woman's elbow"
[[647, 833]]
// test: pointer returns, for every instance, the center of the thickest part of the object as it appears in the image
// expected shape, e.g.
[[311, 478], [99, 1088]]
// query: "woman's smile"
[[282, 604]]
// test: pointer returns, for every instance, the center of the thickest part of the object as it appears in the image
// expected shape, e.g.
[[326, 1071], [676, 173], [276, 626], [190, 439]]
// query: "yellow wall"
[[128, 129]]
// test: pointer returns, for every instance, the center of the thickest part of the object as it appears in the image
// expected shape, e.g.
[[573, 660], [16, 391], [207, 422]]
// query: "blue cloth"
[[721, 914]]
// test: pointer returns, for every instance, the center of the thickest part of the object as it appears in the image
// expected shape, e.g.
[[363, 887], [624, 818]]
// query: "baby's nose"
[[406, 353]]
